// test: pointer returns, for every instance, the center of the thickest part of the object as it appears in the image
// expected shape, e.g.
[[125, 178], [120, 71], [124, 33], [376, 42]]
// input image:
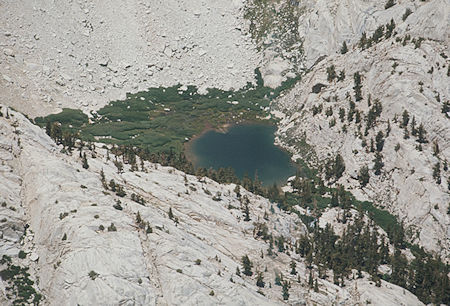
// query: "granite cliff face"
[[403, 75]]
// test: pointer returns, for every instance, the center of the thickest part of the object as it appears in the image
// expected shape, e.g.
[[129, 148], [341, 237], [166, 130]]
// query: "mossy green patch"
[[160, 119], [70, 117]]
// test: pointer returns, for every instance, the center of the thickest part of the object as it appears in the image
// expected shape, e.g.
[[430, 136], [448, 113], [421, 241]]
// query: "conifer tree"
[[363, 176], [405, 118], [435, 148], [421, 134], [357, 87], [379, 139], [378, 163], [334, 199], [260, 280], [331, 73], [413, 126], [246, 201], [237, 190], [344, 48], [112, 185], [247, 265], [437, 173], [85, 162], [138, 218], [286, 285], [293, 266]]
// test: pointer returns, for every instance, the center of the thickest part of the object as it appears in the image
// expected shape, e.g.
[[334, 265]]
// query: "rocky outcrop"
[[403, 75], [87, 245], [83, 55]]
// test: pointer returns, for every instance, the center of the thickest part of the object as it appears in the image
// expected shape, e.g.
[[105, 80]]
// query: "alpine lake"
[[174, 119], [247, 148]]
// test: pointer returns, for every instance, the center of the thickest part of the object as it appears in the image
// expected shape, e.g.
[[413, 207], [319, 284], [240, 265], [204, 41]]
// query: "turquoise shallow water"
[[247, 149]]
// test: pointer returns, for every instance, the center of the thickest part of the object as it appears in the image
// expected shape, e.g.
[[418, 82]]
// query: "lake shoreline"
[[260, 154], [223, 129]]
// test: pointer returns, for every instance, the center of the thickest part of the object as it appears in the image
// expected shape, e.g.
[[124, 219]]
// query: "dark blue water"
[[247, 149]]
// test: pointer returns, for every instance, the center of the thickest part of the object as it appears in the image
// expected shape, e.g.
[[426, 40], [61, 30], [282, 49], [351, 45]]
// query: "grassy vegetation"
[[70, 117], [163, 118], [381, 217]]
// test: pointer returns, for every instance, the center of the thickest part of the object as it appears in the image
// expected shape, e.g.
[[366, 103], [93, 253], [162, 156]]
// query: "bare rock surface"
[[401, 76], [85, 54], [190, 259]]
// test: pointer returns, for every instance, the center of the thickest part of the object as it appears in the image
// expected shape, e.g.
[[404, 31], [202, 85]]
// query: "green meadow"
[[161, 119]]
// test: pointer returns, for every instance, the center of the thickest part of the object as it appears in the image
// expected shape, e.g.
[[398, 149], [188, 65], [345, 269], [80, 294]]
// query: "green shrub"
[[93, 275], [112, 228]]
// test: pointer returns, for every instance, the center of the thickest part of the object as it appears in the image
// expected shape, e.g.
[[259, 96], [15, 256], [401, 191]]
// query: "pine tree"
[[334, 199], [405, 118], [270, 249], [138, 218], [405, 133], [293, 266], [344, 48], [363, 176], [363, 41], [339, 166], [413, 126], [331, 73], [310, 279], [378, 34], [378, 163], [437, 173], [357, 87], [421, 134], [435, 148], [260, 280], [247, 266], [85, 162], [379, 139], [390, 28], [170, 213], [119, 166], [280, 244], [246, 211], [342, 114], [237, 191], [286, 285], [149, 229]]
